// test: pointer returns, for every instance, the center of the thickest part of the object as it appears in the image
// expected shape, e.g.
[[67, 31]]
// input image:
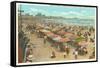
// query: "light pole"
[[20, 16]]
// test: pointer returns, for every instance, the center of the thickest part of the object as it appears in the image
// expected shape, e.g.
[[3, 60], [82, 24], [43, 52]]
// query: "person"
[[64, 54], [75, 53], [67, 50], [37, 31], [45, 38], [53, 54], [85, 50], [29, 58], [27, 50]]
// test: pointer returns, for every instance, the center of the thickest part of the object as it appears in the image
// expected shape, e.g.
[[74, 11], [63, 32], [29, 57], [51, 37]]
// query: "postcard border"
[[13, 33]]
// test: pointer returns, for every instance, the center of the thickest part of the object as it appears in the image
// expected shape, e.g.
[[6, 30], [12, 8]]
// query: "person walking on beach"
[[53, 55], [75, 53], [67, 50], [64, 54], [29, 52], [45, 38]]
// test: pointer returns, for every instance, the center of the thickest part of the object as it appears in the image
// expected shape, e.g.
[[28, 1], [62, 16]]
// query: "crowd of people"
[[86, 32]]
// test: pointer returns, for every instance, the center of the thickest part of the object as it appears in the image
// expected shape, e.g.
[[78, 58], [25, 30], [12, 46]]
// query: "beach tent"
[[64, 40], [82, 43]]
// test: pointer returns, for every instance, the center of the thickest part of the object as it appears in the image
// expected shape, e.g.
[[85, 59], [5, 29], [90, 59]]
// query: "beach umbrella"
[[62, 32], [82, 43], [44, 30], [57, 38], [64, 40]]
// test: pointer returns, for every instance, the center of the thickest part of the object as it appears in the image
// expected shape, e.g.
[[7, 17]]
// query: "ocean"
[[74, 21]]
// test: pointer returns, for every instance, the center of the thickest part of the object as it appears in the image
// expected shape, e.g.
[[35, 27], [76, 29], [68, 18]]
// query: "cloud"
[[39, 10], [71, 13], [66, 14], [34, 9], [57, 13], [75, 13]]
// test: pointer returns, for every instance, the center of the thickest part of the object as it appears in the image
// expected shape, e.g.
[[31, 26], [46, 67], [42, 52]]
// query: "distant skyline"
[[62, 11]]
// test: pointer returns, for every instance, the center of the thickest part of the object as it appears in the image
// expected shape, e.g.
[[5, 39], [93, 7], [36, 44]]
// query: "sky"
[[62, 11]]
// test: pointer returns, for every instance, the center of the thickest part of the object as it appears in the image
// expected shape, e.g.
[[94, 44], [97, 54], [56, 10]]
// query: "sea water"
[[74, 21]]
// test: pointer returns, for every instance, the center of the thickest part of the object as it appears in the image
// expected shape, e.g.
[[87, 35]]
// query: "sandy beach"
[[41, 48]]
